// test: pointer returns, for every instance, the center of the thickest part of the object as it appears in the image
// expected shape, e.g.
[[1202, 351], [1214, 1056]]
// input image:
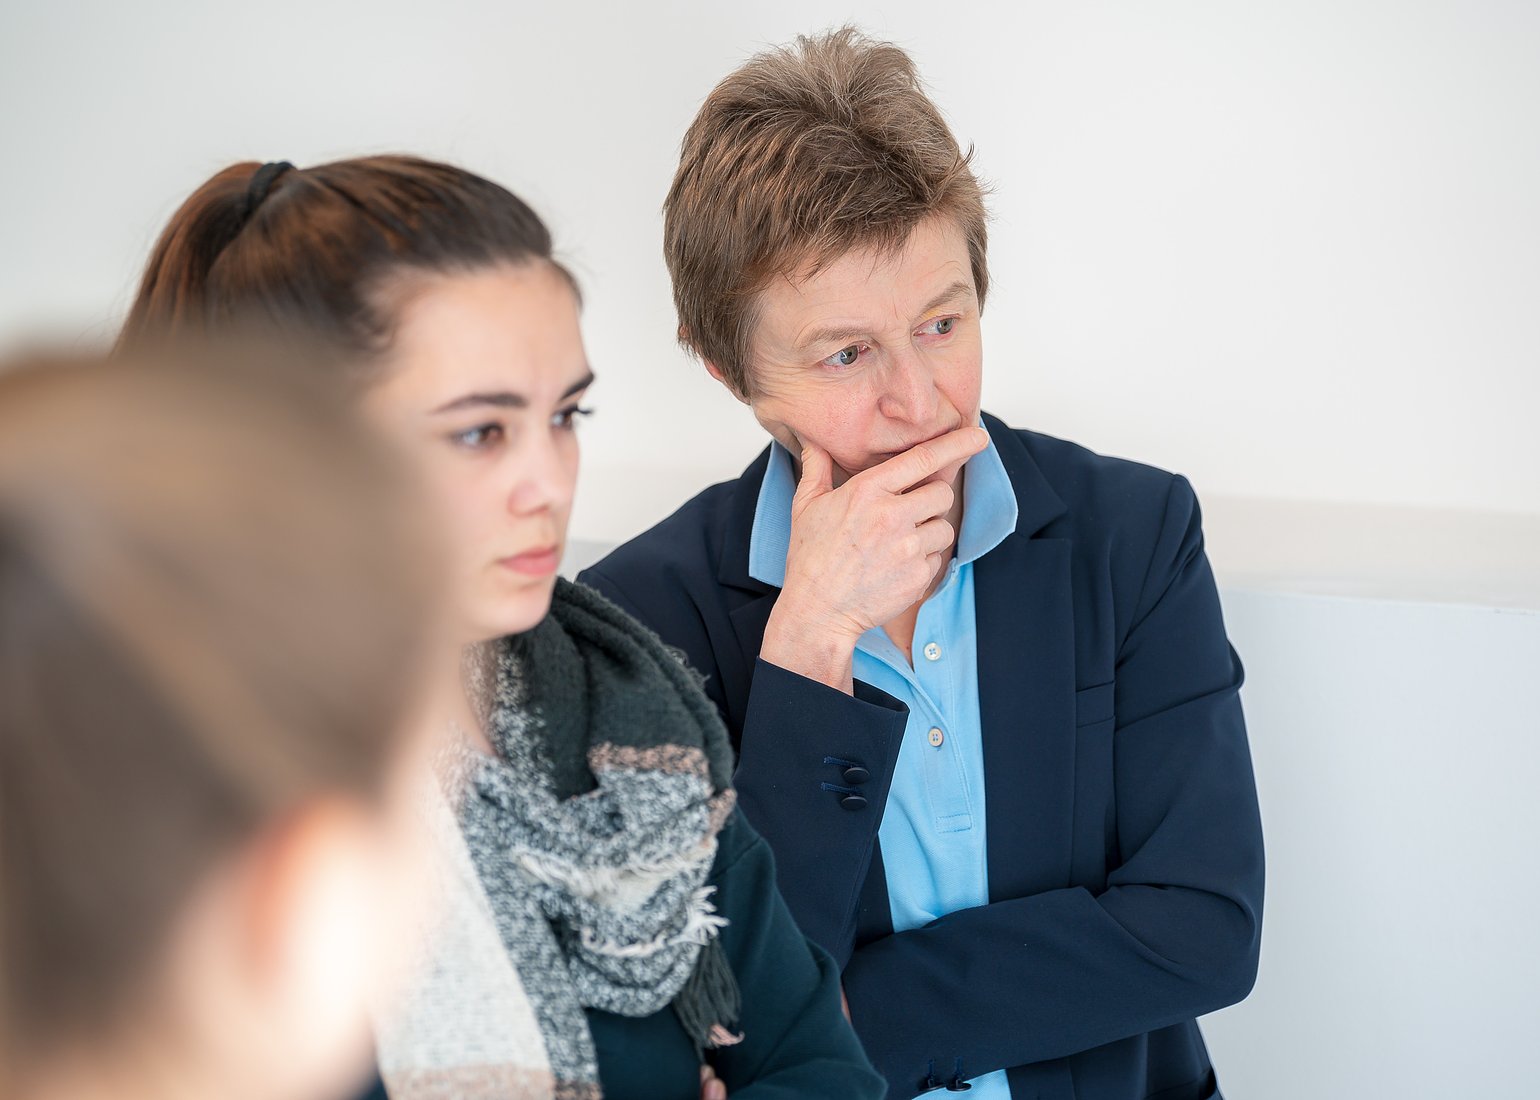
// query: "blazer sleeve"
[[799, 739], [1175, 933], [796, 1040]]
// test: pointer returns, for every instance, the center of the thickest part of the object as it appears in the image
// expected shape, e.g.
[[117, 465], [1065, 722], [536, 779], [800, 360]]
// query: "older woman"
[[986, 711]]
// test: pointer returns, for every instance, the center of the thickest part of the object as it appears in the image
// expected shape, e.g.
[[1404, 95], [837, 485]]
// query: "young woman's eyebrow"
[[505, 399]]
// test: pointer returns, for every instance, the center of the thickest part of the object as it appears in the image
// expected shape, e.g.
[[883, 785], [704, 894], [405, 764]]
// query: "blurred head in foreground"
[[441, 288], [214, 604]]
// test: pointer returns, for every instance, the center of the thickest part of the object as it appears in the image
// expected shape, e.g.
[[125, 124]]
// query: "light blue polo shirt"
[[932, 831]]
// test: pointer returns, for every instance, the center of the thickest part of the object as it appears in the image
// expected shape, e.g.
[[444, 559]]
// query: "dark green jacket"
[[796, 1041]]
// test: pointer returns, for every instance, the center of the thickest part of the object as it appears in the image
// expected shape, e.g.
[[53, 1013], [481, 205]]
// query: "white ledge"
[[1301, 547], [1378, 552]]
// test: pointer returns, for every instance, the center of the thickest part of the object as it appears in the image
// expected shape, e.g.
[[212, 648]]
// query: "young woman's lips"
[[534, 563]]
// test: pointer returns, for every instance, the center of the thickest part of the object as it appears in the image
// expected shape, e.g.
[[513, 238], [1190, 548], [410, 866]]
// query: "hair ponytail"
[[308, 251], [172, 293]]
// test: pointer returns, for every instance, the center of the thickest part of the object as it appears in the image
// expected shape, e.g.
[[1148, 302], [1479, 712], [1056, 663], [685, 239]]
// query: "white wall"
[[1290, 248], [1397, 750]]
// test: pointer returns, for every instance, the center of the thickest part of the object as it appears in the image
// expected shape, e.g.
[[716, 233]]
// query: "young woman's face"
[[484, 384]]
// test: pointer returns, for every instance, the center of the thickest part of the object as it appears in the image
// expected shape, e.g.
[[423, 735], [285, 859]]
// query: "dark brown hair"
[[309, 250], [214, 597], [802, 154]]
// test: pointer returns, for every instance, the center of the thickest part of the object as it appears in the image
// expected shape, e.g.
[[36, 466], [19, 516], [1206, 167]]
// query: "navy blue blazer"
[[1124, 844]]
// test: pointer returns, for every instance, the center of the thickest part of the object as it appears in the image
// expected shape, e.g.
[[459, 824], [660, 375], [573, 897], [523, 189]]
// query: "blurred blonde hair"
[[215, 594]]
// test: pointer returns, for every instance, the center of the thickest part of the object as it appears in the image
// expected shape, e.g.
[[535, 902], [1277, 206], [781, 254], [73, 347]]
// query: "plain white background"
[[1291, 249]]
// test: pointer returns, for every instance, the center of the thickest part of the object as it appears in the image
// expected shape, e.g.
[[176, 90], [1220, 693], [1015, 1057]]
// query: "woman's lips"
[[534, 563], [884, 456]]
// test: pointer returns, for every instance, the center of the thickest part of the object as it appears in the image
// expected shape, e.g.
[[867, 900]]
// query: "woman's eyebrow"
[[829, 334], [951, 294], [579, 386], [506, 399], [502, 400], [840, 334]]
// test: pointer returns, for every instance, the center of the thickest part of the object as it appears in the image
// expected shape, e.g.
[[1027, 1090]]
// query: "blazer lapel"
[[751, 601], [1026, 674]]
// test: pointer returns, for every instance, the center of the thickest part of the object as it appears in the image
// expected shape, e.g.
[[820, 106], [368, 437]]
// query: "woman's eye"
[[567, 419], [478, 438], [845, 356], [939, 327]]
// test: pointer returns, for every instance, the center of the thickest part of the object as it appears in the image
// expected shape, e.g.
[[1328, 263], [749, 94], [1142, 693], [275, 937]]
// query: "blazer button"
[[857, 774], [854, 802], [957, 1084]]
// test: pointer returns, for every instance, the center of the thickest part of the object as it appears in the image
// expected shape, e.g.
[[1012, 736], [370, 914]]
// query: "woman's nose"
[[910, 390], [543, 479]]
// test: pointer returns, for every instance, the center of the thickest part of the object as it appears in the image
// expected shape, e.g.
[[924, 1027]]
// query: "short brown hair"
[[213, 605], [802, 154]]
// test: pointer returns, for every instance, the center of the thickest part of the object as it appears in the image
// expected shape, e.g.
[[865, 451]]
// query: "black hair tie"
[[262, 181]]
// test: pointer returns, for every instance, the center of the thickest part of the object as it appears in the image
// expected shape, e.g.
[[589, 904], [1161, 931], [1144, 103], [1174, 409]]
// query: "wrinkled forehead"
[[867, 290]]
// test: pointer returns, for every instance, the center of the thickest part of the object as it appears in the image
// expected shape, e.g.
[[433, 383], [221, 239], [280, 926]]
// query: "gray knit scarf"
[[591, 834]]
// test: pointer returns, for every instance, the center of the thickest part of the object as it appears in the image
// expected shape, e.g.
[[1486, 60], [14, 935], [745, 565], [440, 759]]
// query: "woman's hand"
[[862, 554], [711, 1086]]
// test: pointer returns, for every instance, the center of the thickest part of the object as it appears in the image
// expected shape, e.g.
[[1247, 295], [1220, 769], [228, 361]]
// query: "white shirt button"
[[932, 651], [936, 736]]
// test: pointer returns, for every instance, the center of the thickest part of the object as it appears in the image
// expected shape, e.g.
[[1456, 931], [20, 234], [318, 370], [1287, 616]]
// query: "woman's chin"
[[514, 614]]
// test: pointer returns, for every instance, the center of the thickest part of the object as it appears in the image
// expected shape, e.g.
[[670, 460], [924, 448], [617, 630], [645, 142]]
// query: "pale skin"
[[484, 387], [259, 989], [869, 371]]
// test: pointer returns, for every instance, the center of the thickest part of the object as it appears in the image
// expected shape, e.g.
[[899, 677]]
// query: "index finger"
[[918, 463]]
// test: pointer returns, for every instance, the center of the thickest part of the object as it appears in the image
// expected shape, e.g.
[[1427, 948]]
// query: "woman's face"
[[873, 354], [484, 383]]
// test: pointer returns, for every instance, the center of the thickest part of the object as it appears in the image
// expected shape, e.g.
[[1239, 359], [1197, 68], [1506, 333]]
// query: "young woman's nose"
[[909, 391], [543, 475]]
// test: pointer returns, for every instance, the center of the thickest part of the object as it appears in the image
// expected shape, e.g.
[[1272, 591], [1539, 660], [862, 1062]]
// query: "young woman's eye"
[[478, 438], [845, 356], [939, 327], [567, 419]]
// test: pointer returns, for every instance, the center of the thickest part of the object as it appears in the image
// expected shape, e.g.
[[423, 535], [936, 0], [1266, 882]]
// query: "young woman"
[[610, 922], [212, 620]]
